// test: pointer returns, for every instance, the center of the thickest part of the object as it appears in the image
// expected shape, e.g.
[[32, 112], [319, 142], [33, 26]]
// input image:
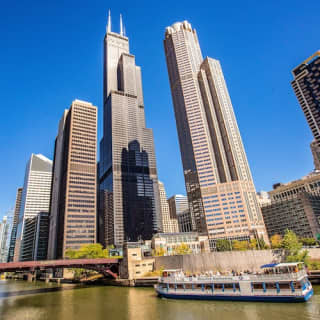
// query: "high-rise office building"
[[74, 189], [35, 243], [35, 197], [13, 235], [4, 236], [306, 85], [169, 223], [220, 190], [127, 167], [179, 209]]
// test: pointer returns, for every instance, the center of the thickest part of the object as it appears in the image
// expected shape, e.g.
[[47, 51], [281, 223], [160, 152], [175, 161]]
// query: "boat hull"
[[304, 298]]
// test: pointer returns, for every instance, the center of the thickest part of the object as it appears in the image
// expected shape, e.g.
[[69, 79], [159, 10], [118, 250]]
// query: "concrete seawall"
[[228, 260]]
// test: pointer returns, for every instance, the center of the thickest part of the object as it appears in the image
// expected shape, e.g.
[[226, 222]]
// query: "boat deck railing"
[[248, 277]]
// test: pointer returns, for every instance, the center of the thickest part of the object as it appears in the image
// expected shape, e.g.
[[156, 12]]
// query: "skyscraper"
[[220, 190], [5, 226], [73, 208], [13, 235], [179, 209], [306, 87], [127, 168], [35, 197], [169, 223]]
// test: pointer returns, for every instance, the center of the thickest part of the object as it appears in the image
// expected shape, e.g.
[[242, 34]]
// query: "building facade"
[[73, 213], [35, 197], [179, 209], [127, 167], [299, 213], [310, 184], [263, 198], [169, 242], [295, 206], [315, 150], [13, 235], [36, 232], [4, 236], [169, 223], [221, 194], [306, 87]]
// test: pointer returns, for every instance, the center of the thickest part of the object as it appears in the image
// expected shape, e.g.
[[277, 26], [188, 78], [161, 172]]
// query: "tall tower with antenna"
[[129, 203]]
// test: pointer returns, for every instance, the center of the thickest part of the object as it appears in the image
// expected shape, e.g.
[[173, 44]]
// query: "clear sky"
[[51, 53]]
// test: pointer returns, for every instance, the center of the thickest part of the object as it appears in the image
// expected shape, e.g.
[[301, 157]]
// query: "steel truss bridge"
[[107, 267]]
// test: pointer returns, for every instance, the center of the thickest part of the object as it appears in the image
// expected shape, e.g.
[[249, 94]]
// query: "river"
[[119, 303]]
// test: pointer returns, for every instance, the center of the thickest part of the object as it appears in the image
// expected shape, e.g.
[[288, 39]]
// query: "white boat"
[[282, 282]]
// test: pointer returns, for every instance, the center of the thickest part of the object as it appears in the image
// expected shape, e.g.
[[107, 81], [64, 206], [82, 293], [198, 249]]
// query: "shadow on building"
[[139, 211]]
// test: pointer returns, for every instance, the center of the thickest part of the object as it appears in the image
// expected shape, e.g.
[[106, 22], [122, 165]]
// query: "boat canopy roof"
[[280, 265]]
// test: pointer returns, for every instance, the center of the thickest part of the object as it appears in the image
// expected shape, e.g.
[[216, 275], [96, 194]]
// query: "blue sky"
[[51, 53]]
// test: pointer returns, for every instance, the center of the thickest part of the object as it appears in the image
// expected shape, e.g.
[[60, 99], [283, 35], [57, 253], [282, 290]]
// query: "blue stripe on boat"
[[239, 298]]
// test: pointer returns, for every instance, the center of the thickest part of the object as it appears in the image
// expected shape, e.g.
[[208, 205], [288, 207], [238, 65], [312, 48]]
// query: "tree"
[[291, 243], [261, 244], [223, 245], [308, 241], [88, 251], [253, 244], [182, 249], [239, 245], [160, 252], [276, 241]]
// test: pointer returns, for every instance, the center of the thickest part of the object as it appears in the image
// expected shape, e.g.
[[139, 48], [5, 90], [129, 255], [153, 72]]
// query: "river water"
[[19, 300]]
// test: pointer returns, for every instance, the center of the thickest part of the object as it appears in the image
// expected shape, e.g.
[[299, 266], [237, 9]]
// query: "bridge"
[[107, 267]]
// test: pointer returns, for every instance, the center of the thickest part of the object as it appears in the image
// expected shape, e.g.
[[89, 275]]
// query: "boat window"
[[228, 286], [171, 286], [188, 286], [218, 286], [198, 286], [271, 285], [257, 286], [297, 285], [208, 287], [284, 285], [179, 286]]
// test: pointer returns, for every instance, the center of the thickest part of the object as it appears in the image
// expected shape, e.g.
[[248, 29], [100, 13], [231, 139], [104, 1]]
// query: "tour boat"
[[278, 282]]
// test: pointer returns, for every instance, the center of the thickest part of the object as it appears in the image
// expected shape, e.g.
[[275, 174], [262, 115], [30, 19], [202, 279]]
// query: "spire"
[[121, 25], [109, 22]]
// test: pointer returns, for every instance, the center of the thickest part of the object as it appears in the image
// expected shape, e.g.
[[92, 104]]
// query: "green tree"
[[89, 251], [293, 247], [253, 244], [308, 241], [182, 249], [160, 252], [223, 245], [261, 244], [291, 243], [239, 245], [276, 241]]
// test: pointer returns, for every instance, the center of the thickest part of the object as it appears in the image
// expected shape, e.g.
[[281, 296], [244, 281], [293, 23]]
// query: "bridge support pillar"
[[30, 276]]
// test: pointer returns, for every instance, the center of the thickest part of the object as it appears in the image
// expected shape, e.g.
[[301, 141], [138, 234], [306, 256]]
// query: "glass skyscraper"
[[35, 199], [129, 193], [220, 190]]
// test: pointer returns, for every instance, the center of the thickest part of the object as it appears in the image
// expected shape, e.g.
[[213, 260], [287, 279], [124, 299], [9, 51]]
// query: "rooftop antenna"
[[121, 25], [109, 22]]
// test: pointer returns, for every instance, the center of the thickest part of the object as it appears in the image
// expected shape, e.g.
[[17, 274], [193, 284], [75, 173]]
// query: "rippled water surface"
[[134, 303]]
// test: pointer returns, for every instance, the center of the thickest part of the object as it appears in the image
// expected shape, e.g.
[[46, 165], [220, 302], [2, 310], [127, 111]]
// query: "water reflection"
[[140, 303]]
